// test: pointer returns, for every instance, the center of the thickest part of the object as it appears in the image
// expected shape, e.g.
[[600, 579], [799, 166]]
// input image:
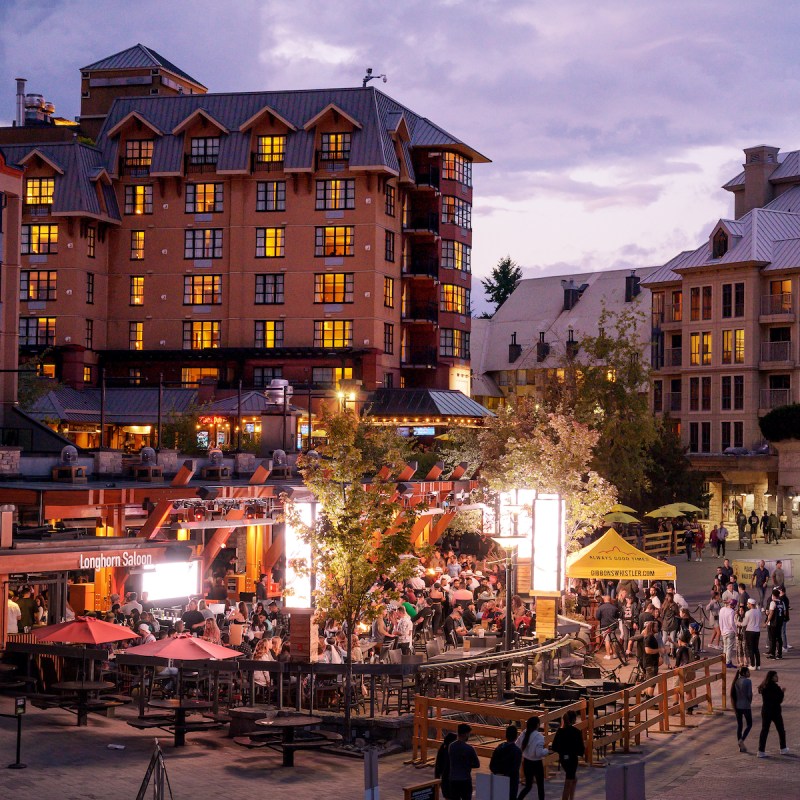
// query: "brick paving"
[[67, 762]]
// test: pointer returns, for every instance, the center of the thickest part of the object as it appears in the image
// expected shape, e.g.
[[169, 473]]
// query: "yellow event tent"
[[612, 557]]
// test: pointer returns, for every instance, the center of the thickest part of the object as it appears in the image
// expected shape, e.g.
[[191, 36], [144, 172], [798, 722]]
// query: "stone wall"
[[108, 462], [9, 461]]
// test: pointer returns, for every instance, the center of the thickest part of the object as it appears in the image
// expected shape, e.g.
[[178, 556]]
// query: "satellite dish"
[[147, 455], [69, 455], [215, 457], [279, 458]]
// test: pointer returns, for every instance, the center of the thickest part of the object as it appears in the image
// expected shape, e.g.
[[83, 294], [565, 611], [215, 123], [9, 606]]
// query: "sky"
[[610, 127]]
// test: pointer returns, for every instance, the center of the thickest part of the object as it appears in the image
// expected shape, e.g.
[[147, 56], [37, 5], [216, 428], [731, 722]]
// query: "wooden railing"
[[657, 543], [615, 720]]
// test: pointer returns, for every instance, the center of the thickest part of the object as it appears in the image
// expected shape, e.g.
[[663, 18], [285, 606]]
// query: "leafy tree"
[[504, 278], [361, 531]]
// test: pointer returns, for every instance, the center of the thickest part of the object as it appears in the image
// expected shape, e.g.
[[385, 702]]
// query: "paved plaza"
[[67, 762]]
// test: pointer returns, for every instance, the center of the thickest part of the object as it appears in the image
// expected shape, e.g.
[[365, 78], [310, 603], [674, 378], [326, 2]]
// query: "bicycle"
[[616, 645]]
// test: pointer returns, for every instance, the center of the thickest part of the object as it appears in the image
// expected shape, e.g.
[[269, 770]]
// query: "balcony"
[[422, 268], [773, 398], [135, 167], [332, 159], [776, 351], [419, 358], [265, 162], [777, 305], [672, 401], [673, 356], [37, 209], [200, 163], [428, 179], [426, 224], [420, 312]]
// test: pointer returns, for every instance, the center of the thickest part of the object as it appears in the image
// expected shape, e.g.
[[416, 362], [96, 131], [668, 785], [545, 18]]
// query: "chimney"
[[632, 288], [571, 294], [514, 349], [21, 101], [542, 348], [759, 164]]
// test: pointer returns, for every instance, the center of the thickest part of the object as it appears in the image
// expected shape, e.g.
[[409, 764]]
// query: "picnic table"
[[81, 690], [180, 708], [287, 726]]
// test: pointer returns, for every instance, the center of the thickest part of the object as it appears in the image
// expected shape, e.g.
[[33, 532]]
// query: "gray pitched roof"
[[74, 191], [132, 405], [137, 57], [424, 403], [371, 145]]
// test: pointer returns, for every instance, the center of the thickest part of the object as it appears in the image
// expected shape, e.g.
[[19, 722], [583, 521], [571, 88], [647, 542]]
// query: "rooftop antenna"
[[370, 77]]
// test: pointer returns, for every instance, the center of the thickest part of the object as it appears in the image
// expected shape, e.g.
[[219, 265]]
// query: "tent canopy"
[[612, 557]]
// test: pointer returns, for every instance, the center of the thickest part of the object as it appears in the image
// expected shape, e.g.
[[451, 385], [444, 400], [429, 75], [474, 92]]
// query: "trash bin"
[[625, 781]]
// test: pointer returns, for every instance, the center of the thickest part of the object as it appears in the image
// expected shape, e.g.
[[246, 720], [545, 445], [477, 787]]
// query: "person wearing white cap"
[[146, 633], [753, 619]]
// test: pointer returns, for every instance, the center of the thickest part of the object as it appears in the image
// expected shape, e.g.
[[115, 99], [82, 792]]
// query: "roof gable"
[[260, 114], [331, 108], [193, 117], [36, 153], [133, 116]]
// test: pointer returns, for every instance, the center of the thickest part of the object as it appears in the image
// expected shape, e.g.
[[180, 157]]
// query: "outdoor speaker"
[[208, 492]]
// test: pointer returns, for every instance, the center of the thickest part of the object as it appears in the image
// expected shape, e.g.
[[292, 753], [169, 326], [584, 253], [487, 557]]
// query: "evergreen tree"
[[504, 278]]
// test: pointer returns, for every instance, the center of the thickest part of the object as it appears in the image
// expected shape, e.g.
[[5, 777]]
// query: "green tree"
[[502, 281], [361, 531]]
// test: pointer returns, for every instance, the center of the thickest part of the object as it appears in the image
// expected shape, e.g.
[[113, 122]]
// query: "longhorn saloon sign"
[[123, 559]]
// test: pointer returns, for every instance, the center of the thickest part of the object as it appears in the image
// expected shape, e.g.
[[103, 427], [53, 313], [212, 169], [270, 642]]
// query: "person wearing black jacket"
[[568, 743], [771, 699], [507, 759], [441, 768]]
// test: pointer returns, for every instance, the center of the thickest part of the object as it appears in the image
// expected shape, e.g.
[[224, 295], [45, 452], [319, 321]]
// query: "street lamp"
[[509, 543]]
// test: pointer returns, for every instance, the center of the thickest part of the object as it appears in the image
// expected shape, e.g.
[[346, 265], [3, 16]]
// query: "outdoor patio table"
[[287, 726], [587, 683], [83, 689], [181, 708]]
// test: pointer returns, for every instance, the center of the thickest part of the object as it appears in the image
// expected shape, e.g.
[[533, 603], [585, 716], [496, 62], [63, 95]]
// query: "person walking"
[[786, 645], [753, 619], [742, 700], [699, 542], [727, 627], [441, 768], [722, 537], [568, 743], [771, 699], [688, 542], [533, 751], [775, 618], [507, 760], [463, 759], [759, 581]]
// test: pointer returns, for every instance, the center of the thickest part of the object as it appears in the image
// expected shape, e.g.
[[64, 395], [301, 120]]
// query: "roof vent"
[[572, 293], [632, 288], [542, 348], [514, 349]]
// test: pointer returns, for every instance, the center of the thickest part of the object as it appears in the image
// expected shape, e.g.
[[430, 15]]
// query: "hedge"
[[781, 423]]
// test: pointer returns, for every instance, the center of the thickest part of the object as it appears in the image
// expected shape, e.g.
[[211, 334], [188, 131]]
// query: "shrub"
[[781, 423]]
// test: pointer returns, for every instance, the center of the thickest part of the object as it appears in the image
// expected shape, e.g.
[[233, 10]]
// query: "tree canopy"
[[502, 281]]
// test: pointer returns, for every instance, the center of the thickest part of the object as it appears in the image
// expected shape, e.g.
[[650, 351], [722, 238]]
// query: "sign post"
[[371, 789], [19, 710]]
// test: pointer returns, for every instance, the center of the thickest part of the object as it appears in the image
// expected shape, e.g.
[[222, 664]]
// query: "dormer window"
[[205, 150], [138, 156], [270, 152], [335, 147], [39, 195], [719, 245]]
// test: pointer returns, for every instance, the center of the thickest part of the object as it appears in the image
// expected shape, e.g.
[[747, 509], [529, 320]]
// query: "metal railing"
[[264, 162], [776, 351], [426, 267], [428, 178], [776, 304], [420, 312], [419, 357], [672, 401], [673, 356], [773, 398], [423, 222]]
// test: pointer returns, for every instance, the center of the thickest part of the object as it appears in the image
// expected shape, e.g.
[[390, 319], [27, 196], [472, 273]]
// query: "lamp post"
[[509, 544]]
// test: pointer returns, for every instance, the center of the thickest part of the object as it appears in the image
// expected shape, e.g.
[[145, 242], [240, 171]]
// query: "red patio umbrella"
[[183, 648], [84, 630]]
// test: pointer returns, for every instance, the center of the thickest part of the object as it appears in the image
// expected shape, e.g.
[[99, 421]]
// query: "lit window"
[[270, 149], [270, 242], [456, 255], [454, 343], [738, 352], [390, 196], [39, 240], [137, 245], [335, 147], [269, 289], [91, 241], [135, 335], [204, 150], [87, 374], [202, 290], [36, 285], [191, 376], [134, 376], [677, 307], [203, 243], [268, 333], [333, 333], [201, 335], [455, 299], [204, 198], [139, 199], [388, 292], [694, 304], [333, 287], [331, 377], [271, 196], [457, 168], [706, 347], [39, 193], [727, 346], [46, 371], [694, 352], [334, 241], [136, 290], [336, 195], [139, 153], [456, 211]]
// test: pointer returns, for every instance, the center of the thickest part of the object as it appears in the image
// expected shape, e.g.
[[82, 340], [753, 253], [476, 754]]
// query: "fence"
[[659, 543], [615, 720]]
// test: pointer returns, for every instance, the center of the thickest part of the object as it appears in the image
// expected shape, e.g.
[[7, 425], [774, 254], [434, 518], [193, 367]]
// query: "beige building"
[[725, 336]]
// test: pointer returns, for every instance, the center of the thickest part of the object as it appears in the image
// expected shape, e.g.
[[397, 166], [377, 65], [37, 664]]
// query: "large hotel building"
[[316, 236]]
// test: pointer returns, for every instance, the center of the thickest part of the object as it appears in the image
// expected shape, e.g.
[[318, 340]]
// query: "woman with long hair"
[[568, 743], [771, 698], [712, 609], [741, 700], [211, 632], [741, 648], [533, 751], [441, 769]]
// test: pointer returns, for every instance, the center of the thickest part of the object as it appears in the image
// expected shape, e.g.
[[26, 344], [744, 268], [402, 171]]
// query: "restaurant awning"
[[612, 557]]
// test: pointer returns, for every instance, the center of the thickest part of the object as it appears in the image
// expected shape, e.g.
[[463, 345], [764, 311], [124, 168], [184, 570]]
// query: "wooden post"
[[664, 704], [681, 697], [626, 721], [724, 685], [590, 731]]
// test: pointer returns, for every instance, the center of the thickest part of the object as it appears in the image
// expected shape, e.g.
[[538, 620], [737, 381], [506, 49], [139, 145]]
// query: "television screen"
[[170, 580], [424, 431]]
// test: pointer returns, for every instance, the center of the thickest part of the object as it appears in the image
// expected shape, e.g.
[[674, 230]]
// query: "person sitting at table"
[[262, 653], [155, 627], [131, 603], [259, 627], [279, 652], [469, 616], [119, 617], [527, 624], [259, 610], [211, 632], [518, 608], [327, 653], [203, 608], [404, 630], [454, 629], [193, 619], [178, 629], [146, 633], [239, 615]]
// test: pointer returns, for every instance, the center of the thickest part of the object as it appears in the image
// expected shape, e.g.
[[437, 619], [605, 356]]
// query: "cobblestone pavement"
[[66, 762]]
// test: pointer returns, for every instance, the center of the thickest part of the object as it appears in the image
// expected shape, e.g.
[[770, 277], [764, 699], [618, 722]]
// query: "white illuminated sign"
[[298, 561], [549, 544], [170, 580], [123, 559]]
